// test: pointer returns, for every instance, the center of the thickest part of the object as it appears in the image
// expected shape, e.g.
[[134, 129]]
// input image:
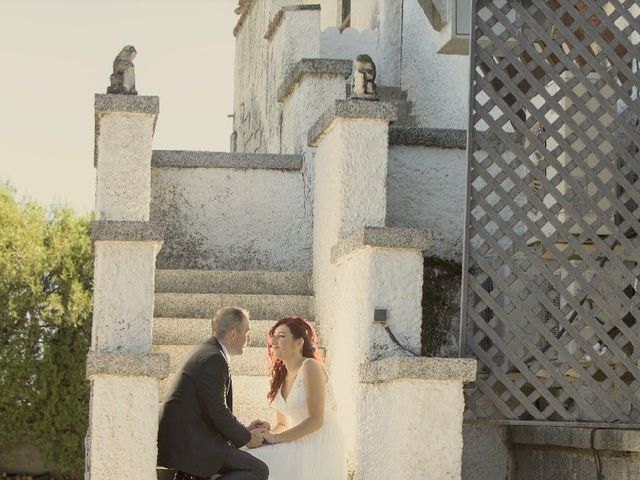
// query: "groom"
[[198, 435]]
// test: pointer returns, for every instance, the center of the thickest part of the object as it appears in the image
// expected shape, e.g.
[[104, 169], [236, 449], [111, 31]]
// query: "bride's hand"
[[269, 438]]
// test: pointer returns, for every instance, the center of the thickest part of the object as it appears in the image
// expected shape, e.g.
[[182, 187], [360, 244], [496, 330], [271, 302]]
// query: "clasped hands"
[[259, 433]]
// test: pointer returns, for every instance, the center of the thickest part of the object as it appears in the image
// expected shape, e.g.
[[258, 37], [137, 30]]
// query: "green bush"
[[46, 274]]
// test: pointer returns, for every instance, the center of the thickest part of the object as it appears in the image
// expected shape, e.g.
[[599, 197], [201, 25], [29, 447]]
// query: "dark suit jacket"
[[196, 424]]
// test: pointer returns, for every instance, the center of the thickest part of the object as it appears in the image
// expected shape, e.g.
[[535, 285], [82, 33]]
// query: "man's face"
[[239, 338]]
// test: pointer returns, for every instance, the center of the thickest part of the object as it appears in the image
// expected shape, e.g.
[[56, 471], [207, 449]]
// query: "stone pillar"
[[121, 441], [368, 289], [411, 409], [310, 87], [124, 132]]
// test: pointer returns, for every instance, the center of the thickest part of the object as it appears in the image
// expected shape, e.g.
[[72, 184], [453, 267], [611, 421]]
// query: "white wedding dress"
[[317, 456]]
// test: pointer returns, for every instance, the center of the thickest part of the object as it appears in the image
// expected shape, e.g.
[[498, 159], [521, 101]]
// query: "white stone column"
[[368, 288], [310, 87], [123, 418], [124, 131], [411, 409]]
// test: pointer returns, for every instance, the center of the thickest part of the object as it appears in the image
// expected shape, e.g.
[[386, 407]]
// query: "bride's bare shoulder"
[[314, 369]]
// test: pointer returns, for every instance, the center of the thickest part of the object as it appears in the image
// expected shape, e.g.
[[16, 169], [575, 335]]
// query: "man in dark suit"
[[198, 435]]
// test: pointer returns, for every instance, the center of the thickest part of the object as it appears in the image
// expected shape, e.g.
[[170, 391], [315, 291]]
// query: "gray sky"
[[55, 54]]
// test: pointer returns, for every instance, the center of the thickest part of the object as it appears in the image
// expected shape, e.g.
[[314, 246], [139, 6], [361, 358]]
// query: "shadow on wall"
[[441, 307]]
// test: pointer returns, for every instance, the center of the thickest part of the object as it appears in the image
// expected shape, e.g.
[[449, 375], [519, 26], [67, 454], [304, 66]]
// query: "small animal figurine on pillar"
[[123, 78], [363, 79]]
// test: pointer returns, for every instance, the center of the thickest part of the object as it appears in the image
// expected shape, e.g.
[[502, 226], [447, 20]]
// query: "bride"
[[306, 443]]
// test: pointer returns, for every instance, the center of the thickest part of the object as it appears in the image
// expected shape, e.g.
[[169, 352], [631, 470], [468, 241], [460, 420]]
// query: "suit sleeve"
[[212, 396]]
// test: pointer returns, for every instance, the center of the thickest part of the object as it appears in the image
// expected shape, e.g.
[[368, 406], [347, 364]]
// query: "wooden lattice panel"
[[552, 237]]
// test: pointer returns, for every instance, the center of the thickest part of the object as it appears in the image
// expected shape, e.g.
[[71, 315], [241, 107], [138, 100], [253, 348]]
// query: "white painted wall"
[[223, 218], [437, 84], [426, 189]]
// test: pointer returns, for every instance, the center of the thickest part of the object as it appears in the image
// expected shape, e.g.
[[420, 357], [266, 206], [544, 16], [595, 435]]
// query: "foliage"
[[46, 273]]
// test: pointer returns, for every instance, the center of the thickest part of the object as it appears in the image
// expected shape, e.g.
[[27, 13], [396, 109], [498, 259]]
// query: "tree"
[[46, 274]]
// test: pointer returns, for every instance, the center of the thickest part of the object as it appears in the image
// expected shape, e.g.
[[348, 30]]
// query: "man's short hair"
[[227, 318]]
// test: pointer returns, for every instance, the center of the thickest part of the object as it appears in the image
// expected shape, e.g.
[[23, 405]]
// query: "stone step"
[[235, 282], [234, 160], [247, 389], [202, 305], [192, 331], [253, 362]]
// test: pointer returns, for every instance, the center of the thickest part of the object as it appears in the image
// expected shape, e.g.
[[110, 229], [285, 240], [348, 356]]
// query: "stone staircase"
[[399, 98], [184, 304]]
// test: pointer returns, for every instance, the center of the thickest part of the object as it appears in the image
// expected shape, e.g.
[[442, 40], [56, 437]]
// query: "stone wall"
[[437, 84], [270, 39], [426, 189], [233, 218]]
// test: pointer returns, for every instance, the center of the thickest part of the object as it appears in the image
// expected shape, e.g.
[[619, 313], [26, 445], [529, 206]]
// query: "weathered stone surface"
[[351, 109], [426, 190], [123, 427], [192, 331], [313, 66], [126, 231], [382, 237], [126, 103], [420, 368], [441, 307], [277, 19], [486, 453], [538, 462], [233, 219], [615, 439], [428, 137], [227, 281], [243, 161], [437, 84], [202, 305], [128, 364]]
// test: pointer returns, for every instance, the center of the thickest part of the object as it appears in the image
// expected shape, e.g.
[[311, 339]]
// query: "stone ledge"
[[128, 364], [364, 109], [313, 66], [243, 161], [419, 368], [126, 103], [615, 439], [428, 137], [126, 231], [382, 237], [275, 23]]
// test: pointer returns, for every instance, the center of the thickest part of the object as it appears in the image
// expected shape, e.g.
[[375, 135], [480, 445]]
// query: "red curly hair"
[[300, 328]]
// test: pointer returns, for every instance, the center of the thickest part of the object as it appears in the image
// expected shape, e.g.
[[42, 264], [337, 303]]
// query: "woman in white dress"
[[306, 443]]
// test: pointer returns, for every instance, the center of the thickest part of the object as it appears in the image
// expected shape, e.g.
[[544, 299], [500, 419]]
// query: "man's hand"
[[256, 438], [259, 424]]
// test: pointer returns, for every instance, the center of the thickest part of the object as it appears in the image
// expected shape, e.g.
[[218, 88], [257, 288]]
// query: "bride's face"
[[284, 344]]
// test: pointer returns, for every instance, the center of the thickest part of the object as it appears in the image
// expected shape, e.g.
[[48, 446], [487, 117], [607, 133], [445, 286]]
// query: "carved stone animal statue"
[[363, 79], [123, 78]]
